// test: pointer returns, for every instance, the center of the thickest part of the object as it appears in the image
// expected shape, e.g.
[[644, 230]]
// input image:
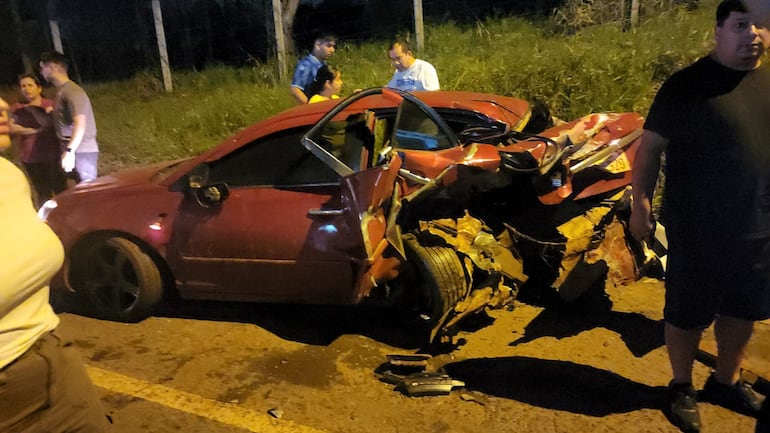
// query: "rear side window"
[[277, 160]]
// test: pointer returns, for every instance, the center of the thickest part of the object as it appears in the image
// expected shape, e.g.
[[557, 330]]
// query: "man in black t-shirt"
[[713, 121]]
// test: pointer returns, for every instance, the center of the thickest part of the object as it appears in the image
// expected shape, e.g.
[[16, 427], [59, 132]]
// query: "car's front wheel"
[[436, 280], [120, 281]]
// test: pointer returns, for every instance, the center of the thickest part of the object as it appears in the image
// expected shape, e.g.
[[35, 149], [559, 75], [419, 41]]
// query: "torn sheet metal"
[[594, 239], [493, 270], [469, 237]]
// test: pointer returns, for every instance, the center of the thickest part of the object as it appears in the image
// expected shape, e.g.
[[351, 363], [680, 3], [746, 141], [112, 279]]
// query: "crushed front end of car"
[[455, 223]]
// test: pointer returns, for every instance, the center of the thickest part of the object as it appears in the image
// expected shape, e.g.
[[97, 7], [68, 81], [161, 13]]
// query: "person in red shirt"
[[38, 145]]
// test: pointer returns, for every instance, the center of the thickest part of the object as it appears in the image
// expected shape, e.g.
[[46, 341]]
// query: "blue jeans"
[[86, 165]]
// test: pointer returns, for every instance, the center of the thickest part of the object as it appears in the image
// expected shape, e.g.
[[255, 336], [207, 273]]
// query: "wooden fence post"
[[161, 37], [56, 36], [280, 43], [419, 29]]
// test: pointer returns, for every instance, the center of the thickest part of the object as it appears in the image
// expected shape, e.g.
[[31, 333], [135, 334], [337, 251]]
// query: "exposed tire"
[[438, 282], [120, 281]]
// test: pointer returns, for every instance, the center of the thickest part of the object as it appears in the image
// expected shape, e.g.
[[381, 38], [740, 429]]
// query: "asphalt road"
[[215, 367]]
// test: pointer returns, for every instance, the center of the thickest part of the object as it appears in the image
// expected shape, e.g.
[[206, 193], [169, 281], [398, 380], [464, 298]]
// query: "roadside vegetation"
[[575, 66]]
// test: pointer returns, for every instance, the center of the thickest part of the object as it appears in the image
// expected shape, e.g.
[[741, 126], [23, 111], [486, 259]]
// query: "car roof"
[[513, 112]]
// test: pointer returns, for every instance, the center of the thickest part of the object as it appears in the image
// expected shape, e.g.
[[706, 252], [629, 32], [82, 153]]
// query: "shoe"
[[682, 407], [738, 397], [763, 420]]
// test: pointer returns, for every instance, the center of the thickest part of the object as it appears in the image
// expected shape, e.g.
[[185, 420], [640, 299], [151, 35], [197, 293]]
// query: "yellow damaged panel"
[[621, 164], [580, 230], [467, 236], [614, 250]]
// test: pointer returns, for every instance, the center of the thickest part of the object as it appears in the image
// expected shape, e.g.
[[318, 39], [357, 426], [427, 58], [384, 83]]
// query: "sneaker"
[[763, 420], [682, 408], [738, 397]]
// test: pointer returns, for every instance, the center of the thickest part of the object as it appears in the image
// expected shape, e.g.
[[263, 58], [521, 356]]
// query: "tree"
[[288, 10], [283, 17]]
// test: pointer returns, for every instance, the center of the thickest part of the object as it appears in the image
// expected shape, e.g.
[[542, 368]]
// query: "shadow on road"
[[640, 334], [308, 324], [321, 325], [559, 385], [592, 310]]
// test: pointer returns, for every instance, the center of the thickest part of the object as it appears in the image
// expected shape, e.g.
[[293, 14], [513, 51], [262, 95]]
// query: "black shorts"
[[706, 278]]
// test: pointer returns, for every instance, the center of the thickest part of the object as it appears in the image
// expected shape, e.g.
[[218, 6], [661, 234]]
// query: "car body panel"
[[255, 256]]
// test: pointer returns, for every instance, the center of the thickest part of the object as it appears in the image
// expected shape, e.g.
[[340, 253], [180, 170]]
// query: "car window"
[[415, 130], [462, 120], [276, 160]]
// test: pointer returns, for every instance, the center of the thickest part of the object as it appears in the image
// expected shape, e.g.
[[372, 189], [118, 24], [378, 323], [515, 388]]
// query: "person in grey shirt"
[[74, 119]]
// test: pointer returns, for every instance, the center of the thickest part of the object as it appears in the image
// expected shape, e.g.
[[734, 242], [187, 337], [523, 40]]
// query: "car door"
[[278, 236], [370, 190]]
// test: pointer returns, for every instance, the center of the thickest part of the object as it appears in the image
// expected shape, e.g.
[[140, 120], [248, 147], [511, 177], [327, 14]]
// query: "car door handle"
[[326, 212]]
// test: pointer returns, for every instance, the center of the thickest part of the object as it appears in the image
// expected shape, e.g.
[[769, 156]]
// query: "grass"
[[599, 68]]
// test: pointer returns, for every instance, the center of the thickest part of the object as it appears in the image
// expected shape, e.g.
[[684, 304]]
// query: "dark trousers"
[[47, 179], [47, 390]]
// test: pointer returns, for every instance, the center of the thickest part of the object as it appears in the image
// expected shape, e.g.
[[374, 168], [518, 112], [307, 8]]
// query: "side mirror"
[[211, 195]]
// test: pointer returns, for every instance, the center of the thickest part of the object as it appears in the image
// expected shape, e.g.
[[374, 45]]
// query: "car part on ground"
[[408, 374]]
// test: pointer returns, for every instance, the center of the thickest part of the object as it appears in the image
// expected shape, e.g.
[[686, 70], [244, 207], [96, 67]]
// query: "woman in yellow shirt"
[[326, 86]]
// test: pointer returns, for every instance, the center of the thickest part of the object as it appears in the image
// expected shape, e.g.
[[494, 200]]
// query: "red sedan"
[[426, 200]]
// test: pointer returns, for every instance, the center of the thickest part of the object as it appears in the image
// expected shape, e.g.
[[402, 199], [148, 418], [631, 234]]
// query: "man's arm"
[[298, 94], [644, 178], [431, 78], [78, 132], [302, 77]]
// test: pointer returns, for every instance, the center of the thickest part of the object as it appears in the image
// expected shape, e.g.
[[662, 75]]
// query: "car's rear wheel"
[[436, 277], [120, 281]]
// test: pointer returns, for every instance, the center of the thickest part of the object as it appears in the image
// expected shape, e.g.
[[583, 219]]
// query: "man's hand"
[[641, 224], [644, 178], [68, 162]]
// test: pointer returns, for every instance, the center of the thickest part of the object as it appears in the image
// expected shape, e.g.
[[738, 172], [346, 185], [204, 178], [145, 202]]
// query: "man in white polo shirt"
[[411, 73]]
